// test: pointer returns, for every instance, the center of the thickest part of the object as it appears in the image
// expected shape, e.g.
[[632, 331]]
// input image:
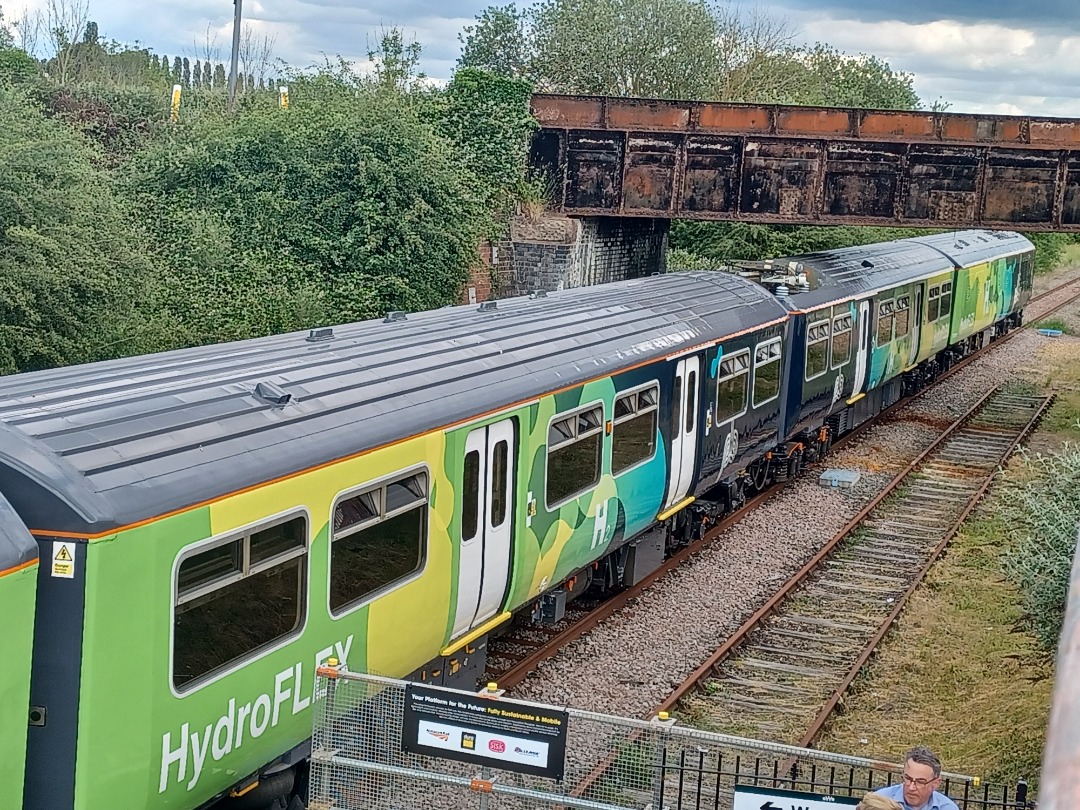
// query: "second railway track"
[[783, 672]]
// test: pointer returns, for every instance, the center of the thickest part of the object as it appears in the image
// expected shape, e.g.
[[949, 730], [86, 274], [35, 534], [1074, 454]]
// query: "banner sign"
[[748, 797], [501, 734]]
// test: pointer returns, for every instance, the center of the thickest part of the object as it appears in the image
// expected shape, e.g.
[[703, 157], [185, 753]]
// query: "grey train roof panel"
[[121, 441], [17, 547], [865, 269], [966, 248]]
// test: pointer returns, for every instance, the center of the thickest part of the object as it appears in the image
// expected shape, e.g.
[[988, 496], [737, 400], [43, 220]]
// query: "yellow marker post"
[[283, 96], [176, 90]]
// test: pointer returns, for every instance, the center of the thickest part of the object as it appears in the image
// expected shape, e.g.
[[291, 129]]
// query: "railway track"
[[785, 670], [515, 654]]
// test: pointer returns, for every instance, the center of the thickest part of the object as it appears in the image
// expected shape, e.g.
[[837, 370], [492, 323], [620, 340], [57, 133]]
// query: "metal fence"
[[612, 763]]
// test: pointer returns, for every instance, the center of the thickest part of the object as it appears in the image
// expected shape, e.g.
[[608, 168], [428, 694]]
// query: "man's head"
[[922, 774]]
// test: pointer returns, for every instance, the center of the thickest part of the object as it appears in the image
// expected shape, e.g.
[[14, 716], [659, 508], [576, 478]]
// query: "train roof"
[[17, 547], [865, 269], [89, 448]]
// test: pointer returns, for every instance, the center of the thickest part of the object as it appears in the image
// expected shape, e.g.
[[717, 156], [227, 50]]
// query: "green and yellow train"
[[190, 534]]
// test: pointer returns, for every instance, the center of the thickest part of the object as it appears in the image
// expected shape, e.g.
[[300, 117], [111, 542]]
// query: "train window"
[[903, 316], [841, 340], [885, 322], [470, 495], [633, 436], [731, 386], [498, 483], [817, 349], [691, 400], [933, 304], [766, 372], [237, 597], [946, 299], [374, 554], [573, 454]]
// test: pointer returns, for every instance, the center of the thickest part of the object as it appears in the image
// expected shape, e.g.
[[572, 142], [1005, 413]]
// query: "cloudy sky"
[[991, 56]]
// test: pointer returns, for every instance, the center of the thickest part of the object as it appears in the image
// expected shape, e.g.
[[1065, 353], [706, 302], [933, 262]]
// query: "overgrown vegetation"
[[123, 231], [1041, 509]]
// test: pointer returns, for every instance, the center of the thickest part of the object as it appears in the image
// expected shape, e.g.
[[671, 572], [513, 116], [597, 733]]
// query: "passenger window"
[[370, 555], [691, 400], [903, 316], [946, 299], [573, 453], [470, 495], [766, 372], [237, 597], [633, 436], [731, 387], [933, 303], [841, 340], [817, 349], [885, 322], [498, 483]]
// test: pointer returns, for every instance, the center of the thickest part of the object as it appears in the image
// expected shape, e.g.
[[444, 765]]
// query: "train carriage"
[[387, 493], [391, 493]]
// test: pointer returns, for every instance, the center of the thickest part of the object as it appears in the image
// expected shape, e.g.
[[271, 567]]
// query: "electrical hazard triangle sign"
[[63, 560]]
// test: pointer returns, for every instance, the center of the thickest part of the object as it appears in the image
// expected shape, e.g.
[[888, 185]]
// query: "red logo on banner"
[[498, 746]]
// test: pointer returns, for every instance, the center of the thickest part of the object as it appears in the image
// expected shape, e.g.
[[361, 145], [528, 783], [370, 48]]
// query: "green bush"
[[72, 267], [1043, 512], [344, 206]]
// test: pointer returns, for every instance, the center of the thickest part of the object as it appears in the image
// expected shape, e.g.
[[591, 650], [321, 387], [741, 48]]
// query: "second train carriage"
[[390, 493]]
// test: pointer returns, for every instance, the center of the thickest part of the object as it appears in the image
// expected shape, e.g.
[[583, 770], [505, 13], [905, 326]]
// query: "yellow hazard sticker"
[[63, 560]]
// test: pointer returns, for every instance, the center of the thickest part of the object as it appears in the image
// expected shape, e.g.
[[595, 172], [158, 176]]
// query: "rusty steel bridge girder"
[[810, 165]]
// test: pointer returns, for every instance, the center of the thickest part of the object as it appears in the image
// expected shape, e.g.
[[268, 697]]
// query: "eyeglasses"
[[911, 780]]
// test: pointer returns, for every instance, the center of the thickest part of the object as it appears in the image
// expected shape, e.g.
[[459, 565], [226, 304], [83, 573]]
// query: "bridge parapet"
[[788, 164]]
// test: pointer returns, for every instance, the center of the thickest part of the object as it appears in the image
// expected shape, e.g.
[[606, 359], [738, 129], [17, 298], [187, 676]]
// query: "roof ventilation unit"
[[315, 335], [540, 293], [488, 306], [394, 315], [274, 394]]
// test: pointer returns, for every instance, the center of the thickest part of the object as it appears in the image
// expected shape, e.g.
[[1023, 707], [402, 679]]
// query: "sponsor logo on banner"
[[439, 735], [525, 752], [468, 741], [498, 746]]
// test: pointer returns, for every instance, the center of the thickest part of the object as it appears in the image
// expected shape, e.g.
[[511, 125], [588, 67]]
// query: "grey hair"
[[924, 756]]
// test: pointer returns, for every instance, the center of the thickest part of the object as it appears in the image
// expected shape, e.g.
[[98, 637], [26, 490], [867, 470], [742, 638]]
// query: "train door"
[[684, 427], [862, 348], [486, 523]]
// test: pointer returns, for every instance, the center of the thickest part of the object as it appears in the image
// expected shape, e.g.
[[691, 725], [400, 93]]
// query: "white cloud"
[[978, 67]]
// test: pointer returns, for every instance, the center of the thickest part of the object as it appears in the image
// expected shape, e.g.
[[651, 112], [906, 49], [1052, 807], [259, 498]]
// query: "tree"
[[497, 43], [643, 48], [395, 62], [836, 79], [186, 74], [177, 71], [219, 80]]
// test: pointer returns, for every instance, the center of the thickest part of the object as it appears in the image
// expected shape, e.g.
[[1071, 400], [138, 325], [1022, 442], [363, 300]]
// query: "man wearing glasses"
[[922, 774]]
